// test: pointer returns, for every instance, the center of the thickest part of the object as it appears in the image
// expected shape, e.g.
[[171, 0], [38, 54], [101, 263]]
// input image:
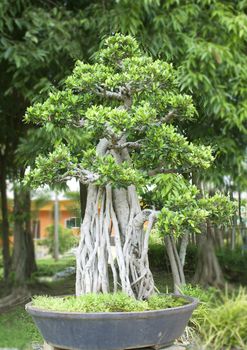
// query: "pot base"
[[157, 329], [172, 347]]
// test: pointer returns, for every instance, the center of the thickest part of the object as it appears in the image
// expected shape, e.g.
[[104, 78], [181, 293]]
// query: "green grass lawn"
[[48, 267], [17, 329]]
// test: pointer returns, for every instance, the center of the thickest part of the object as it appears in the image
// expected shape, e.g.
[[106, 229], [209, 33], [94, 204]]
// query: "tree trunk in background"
[[5, 222], [175, 262], [219, 236], [56, 227], [208, 270], [23, 257], [233, 228], [183, 248], [83, 199]]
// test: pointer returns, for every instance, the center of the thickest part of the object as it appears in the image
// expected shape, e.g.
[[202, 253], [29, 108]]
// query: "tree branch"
[[111, 94], [135, 144], [85, 176], [123, 94], [79, 124], [160, 170], [145, 215], [169, 116]]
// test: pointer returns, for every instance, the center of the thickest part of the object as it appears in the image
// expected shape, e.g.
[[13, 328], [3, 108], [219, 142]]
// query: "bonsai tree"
[[130, 107], [185, 210]]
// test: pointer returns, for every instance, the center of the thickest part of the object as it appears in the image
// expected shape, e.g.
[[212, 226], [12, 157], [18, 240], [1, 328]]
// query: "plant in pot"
[[129, 107], [186, 210]]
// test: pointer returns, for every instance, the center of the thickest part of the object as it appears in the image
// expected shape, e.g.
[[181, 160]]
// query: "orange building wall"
[[45, 219], [46, 216]]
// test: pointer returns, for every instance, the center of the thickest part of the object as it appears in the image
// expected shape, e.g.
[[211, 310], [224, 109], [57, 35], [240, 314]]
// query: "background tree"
[[39, 41]]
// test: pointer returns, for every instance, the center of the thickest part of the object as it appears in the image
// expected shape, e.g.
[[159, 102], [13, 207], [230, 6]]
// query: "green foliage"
[[118, 48], [174, 148], [39, 44], [60, 108], [181, 209], [116, 99], [58, 165], [157, 302], [67, 239], [49, 33], [220, 320], [225, 323], [205, 296], [182, 212], [234, 264], [206, 41], [118, 302], [219, 207], [156, 251]]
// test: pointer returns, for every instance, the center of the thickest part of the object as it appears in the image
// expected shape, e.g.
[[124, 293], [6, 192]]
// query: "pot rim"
[[193, 302]]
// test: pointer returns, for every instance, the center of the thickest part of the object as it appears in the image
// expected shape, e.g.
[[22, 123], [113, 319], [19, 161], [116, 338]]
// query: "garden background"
[[205, 41]]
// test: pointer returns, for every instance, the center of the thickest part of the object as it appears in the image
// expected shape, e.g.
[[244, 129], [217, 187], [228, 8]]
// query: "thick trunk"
[[5, 222], [208, 270], [23, 257], [114, 211]]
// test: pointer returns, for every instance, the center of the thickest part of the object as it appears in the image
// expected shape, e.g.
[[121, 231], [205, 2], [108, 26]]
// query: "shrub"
[[67, 239], [234, 264], [225, 324], [157, 256], [220, 321]]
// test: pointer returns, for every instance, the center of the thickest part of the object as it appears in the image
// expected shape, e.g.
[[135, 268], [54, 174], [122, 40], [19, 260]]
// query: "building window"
[[73, 222]]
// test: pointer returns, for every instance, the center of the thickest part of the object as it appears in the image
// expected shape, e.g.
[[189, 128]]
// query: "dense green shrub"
[[220, 321], [225, 324], [158, 257], [234, 264], [67, 239], [116, 302]]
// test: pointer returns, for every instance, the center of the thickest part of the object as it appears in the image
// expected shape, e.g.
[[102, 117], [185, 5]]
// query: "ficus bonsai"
[[185, 210], [130, 107]]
